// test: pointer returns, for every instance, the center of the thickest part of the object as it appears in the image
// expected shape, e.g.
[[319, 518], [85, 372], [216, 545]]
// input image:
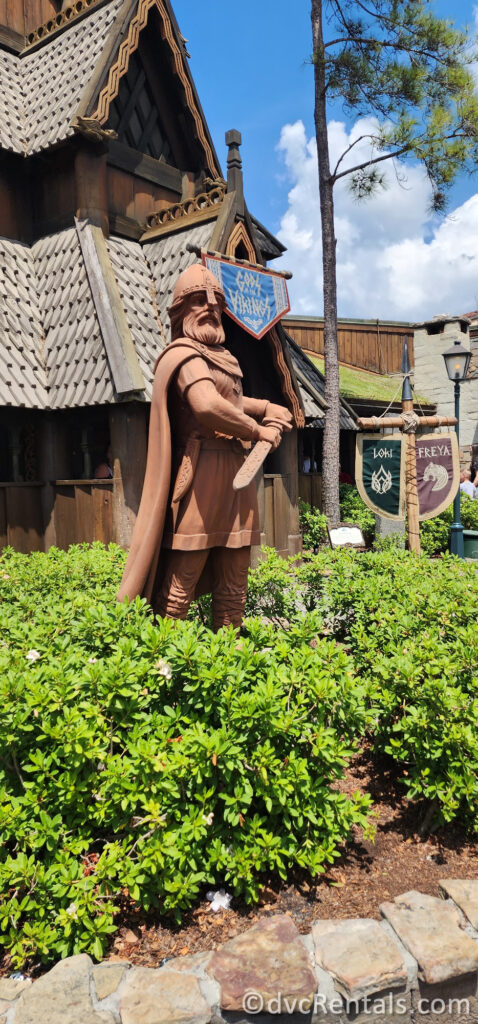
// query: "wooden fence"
[[83, 511], [310, 488], [369, 345], [21, 521]]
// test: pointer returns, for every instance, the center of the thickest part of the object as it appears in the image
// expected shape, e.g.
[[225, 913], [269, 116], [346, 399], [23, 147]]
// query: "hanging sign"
[[380, 473], [256, 299], [438, 472]]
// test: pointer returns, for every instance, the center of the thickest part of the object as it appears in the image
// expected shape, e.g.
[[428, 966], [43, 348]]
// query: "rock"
[[359, 956], [430, 930], [193, 963], [3, 1008], [162, 997], [465, 895], [269, 960], [107, 979], [10, 988], [61, 997]]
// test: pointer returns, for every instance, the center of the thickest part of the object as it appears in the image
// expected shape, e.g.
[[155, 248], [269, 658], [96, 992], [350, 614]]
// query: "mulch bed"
[[366, 874]]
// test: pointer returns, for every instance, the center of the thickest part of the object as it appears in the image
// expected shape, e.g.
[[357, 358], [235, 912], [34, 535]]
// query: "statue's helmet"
[[196, 278]]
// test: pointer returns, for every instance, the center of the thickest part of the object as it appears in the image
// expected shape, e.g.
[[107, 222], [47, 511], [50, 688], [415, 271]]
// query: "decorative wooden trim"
[[238, 235], [60, 21], [128, 46], [285, 376], [205, 206], [143, 166], [224, 223]]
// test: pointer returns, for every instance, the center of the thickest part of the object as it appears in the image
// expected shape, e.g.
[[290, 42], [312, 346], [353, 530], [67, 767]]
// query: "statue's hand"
[[280, 414], [271, 434]]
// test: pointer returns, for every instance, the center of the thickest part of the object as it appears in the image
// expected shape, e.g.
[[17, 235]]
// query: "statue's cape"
[[142, 563]]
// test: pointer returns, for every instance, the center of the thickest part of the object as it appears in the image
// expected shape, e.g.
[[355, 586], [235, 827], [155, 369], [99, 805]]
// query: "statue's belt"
[[190, 456]]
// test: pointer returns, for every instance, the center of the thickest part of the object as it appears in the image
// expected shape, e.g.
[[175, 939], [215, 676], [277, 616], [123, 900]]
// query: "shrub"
[[313, 524], [146, 761], [354, 510], [410, 626], [435, 533]]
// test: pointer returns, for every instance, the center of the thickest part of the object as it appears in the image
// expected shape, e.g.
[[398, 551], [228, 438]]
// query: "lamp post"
[[457, 360]]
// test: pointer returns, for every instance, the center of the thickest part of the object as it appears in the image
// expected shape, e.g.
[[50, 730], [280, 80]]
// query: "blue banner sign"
[[256, 299]]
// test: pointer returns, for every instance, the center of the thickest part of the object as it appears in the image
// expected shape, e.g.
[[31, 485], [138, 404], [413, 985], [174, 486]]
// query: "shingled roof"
[[40, 91], [83, 318]]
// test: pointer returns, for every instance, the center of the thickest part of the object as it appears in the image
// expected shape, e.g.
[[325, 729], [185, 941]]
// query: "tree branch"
[[344, 154], [368, 163]]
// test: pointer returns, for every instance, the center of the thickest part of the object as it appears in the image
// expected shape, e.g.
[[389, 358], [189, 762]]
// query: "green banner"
[[379, 474]]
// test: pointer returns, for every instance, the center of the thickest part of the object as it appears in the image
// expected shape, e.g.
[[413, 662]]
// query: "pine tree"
[[396, 62]]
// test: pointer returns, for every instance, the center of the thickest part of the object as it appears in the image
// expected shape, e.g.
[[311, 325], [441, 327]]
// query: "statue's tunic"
[[211, 513]]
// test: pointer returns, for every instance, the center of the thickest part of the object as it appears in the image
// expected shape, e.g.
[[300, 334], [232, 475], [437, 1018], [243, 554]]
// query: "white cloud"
[[393, 260]]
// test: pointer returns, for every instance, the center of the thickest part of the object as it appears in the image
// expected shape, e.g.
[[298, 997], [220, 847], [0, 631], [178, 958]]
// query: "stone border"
[[418, 964]]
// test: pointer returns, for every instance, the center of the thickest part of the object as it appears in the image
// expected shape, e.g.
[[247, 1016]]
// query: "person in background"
[[465, 483], [104, 469], [344, 478]]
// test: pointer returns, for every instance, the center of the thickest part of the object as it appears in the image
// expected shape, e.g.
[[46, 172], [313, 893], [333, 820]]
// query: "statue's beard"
[[210, 332]]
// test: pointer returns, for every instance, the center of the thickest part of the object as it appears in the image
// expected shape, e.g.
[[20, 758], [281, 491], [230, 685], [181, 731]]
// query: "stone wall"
[[418, 965], [431, 379]]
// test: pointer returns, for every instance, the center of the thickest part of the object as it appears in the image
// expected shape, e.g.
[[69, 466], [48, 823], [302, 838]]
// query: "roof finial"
[[234, 168]]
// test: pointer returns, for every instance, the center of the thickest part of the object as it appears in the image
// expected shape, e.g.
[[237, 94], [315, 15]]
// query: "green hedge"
[[146, 762], [150, 760]]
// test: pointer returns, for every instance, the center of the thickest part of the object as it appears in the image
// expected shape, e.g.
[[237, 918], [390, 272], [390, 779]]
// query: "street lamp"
[[457, 360]]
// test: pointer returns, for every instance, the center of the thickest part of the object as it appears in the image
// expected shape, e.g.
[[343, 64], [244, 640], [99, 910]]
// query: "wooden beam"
[[376, 423], [127, 227], [91, 182], [128, 435], [125, 158], [119, 345], [11, 40]]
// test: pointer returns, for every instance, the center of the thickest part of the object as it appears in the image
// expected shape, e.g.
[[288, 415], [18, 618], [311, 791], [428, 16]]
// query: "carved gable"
[[134, 114]]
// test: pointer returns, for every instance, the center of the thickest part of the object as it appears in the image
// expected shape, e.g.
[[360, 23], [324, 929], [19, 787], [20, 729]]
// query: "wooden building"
[[374, 345], [109, 187]]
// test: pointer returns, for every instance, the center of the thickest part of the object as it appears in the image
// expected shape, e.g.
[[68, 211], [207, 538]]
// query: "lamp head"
[[457, 360]]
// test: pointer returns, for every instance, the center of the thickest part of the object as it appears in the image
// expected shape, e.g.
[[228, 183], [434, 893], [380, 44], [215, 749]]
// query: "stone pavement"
[[418, 965]]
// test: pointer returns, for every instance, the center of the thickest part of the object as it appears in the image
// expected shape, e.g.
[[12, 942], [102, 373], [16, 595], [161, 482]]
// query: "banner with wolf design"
[[438, 472], [380, 473]]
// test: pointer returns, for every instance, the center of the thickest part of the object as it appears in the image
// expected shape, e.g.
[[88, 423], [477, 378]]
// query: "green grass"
[[363, 384]]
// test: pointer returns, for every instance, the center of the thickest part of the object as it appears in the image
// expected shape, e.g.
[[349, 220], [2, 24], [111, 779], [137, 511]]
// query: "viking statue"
[[194, 532]]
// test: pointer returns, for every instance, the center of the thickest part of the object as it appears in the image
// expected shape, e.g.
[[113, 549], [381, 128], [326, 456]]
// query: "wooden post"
[[53, 464], [411, 486], [289, 467], [91, 181], [408, 423], [129, 446]]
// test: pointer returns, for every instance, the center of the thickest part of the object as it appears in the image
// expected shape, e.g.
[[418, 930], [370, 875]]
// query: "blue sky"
[[251, 65]]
